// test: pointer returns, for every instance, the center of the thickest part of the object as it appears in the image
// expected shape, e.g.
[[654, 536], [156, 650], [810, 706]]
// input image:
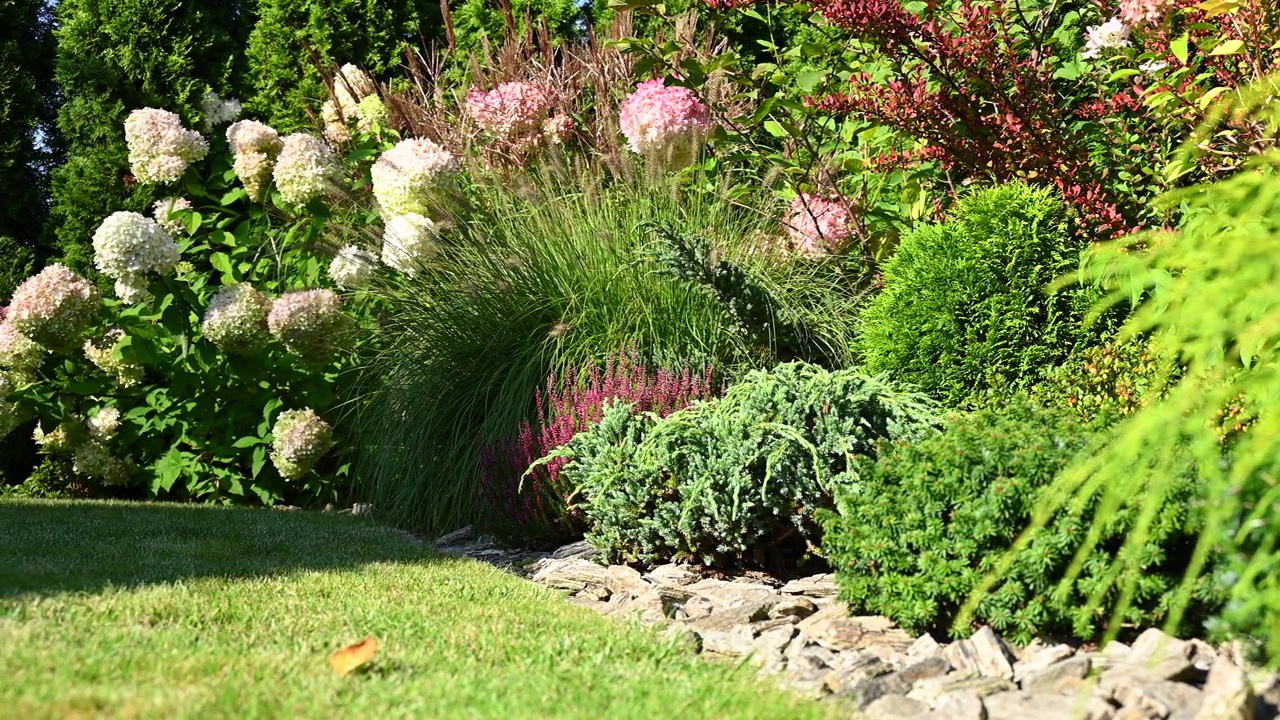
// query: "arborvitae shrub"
[[929, 519], [735, 478], [965, 303]]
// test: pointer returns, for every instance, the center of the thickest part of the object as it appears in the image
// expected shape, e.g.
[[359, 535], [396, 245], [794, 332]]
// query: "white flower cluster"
[[407, 176], [351, 85], [165, 212], [371, 112], [301, 438], [254, 148], [126, 246], [236, 320], [352, 267], [160, 149], [102, 353], [19, 353], [58, 440], [306, 169], [308, 323], [218, 111], [11, 416], [1110, 34], [53, 307], [407, 241], [104, 425], [93, 459]]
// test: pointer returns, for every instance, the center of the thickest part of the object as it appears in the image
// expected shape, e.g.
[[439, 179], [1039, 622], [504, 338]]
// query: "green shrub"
[[1109, 381], [927, 520], [965, 305], [537, 282], [733, 478]]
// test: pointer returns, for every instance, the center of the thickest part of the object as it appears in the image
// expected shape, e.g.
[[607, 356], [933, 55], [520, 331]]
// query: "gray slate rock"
[[819, 586], [573, 574], [581, 550], [1027, 706], [673, 574], [1050, 680], [1228, 695], [984, 654], [1160, 699], [960, 705], [832, 627], [797, 607], [895, 707]]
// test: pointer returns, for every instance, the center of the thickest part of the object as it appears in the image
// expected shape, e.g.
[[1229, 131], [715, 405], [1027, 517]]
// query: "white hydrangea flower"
[[160, 149], [1110, 34], [133, 288], [165, 213], [306, 169], [409, 174], [18, 352], [407, 241], [6, 386], [308, 323], [371, 112], [55, 441], [11, 416], [127, 245], [218, 111], [94, 460], [352, 267], [53, 307], [351, 86], [102, 353], [300, 439], [236, 320], [254, 147], [103, 425]]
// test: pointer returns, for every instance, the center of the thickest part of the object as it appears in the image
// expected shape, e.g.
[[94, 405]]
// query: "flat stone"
[[1227, 695], [766, 625], [462, 534], [924, 647], [726, 594], [1159, 656], [1158, 698], [832, 627], [656, 604], [1052, 679], [854, 670], [734, 642], [571, 574], [770, 644], [1038, 656], [581, 550], [895, 707], [797, 607], [673, 574], [984, 653], [802, 652], [621, 579], [697, 607], [933, 690], [1028, 706], [682, 636], [960, 705], [814, 586], [1202, 655], [726, 619]]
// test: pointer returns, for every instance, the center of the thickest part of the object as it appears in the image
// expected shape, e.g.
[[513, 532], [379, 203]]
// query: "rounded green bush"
[[736, 478], [965, 303], [928, 520]]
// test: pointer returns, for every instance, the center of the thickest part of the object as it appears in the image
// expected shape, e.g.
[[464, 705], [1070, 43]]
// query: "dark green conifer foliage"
[[115, 56], [292, 36], [26, 141]]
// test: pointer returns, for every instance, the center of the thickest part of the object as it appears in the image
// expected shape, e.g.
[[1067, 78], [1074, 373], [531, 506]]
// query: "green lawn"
[[146, 610]]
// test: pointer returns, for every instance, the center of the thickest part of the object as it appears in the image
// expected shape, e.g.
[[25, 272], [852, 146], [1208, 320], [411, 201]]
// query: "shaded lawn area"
[[148, 610]]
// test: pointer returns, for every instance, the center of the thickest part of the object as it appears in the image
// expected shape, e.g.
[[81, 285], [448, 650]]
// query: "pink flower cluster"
[[53, 307], [159, 147], [818, 225], [236, 320], [1136, 13], [308, 323], [511, 110], [566, 407], [660, 120], [254, 146]]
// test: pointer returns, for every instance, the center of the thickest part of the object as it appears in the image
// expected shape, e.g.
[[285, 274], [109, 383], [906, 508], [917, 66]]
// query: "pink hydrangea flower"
[[53, 307], [511, 110], [1136, 13], [159, 147], [559, 129], [660, 120], [818, 225]]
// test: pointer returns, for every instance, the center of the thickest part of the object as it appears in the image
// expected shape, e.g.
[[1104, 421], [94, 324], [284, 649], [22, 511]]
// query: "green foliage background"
[[27, 143]]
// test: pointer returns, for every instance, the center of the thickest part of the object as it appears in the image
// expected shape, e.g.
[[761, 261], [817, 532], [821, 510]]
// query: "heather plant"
[[736, 479], [209, 372], [967, 305], [929, 517], [535, 498]]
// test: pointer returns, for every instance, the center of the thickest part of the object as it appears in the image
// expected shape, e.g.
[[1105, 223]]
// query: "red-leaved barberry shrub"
[[539, 503]]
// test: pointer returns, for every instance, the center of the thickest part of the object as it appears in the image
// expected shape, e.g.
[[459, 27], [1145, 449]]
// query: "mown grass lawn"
[[147, 610]]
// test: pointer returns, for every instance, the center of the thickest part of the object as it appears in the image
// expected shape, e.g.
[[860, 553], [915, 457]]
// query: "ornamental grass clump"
[[53, 307], [308, 323], [160, 148], [300, 440], [735, 480], [236, 319], [306, 169]]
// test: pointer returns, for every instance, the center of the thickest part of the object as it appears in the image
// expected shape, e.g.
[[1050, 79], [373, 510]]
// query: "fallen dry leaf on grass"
[[349, 658]]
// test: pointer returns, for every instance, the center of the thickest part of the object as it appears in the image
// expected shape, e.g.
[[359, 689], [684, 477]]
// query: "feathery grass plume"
[[1210, 292], [541, 281]]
